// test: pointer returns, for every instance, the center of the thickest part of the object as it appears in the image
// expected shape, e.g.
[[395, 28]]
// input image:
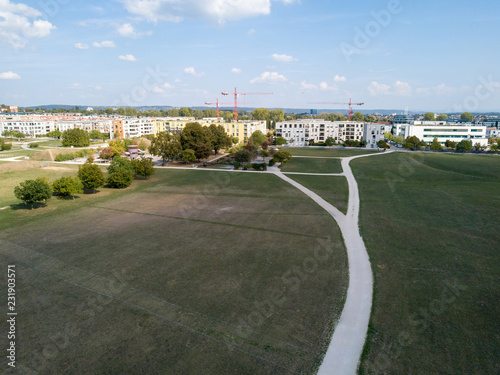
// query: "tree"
[[131, 112], [219, 138], [76, 138], [210, 113], [120, 178], [435, 145], [467, 116], [282, 157], [277, 115], [193, 133], [412, 143], [450, 144], [55, 134], [243, 156], [358, 117], [106, 153], [188, 156], [389, 136], [370, 118], [464, 146], [261, 114], [382, 144], [201, 150], [109, 111], [91, 176], [198, 114], [329, 141], [280, 141], [95, 134], [235, 140], [67, 186], [32, 191], [174, 112], [143, 167], [258, 138], [119, 162], [441, 117], [429, 116], [165, 145], [186, 112]]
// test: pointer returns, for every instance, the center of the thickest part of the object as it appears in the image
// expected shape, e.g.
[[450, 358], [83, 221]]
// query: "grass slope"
[[430, 223], [327, 152], [311, 165], [210, 272]]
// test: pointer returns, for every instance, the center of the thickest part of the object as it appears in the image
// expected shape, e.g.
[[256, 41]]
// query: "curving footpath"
[[344, 352]]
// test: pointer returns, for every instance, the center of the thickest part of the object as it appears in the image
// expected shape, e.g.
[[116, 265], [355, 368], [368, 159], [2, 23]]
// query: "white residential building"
[[455, 133], [373, 133]]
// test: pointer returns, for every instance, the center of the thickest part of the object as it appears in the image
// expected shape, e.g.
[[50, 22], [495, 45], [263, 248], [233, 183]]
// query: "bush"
[[245, 167], [76, 138], [6, 146], [120, 178], [282, 157], [236, 164], [65, 157], [85, 152], [67, 186], [91, 176], [34, 145], [32, 191], [106, 153], [259, 166], [120, 163], [243, 156], [272, 162], [143, 167]]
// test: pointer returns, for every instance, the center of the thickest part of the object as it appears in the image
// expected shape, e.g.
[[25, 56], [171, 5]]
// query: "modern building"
[[373, 133], [402, 119], [244, 129], [443, 133], [133, 127]]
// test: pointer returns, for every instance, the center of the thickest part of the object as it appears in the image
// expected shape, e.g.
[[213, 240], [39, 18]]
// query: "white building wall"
[[372, 134], [455, 133]]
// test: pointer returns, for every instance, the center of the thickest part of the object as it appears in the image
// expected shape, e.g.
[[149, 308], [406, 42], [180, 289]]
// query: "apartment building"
[[300, 132], [456, 133], [133, 127], [244, 129], [373, 133]]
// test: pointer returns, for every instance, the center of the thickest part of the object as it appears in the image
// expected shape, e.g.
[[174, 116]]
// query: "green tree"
[[131, 112], [165, 145], [429, 116], [464, 146], [174, 112], [279, 141], [398, 139], [467, 116], [32, 191], [243, 156], [412, 143], [67, 186], [219, 138], [450, 144], [276, 115], [55, 134], [109, 111], [193, 133], [119, 162], [258, 138], [188, 156], [120, 111], [91, 176], [76, 138], [358, 117], [382, 144], [95, 134], [329, 141], [261, 114], [370, 118], [435, 145], [143, 167], [201, 150], [210, 113], [282, 157], [235, 140], [441, 117], [389, 136], [120, 178], [198, 114], [186, 112]]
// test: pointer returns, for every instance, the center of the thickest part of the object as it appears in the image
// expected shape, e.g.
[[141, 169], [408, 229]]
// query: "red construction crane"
[[217, 103], [242, 93], [350, 111]]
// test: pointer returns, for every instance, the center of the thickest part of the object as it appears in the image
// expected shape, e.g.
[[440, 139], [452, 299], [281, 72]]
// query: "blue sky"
[[424, 55]]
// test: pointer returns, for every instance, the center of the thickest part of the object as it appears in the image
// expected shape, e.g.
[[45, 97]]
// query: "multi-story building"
[[244, 129], [373, 133], [443, 133], [301, 132], [133, 127]]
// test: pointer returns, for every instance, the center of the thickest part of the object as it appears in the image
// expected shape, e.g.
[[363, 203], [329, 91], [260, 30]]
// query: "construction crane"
[[236, 93], [350, 111], [217, 103]]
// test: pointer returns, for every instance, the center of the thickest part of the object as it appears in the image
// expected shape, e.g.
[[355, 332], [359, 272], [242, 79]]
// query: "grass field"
[[313, 165], [325, 152], [209, 273], [431, 226]]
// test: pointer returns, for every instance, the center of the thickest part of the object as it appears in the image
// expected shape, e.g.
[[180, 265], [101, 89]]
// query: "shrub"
[[120, 163], [120, 178], [259, 166], [91, 176], [106, 153], [272, 162], [236, 164], [282, 157], [34, 145], [6, 146], [245, 167], [243, 156], [32, 191], [76, 138], [143, 167], [65, 157], [67, 186]]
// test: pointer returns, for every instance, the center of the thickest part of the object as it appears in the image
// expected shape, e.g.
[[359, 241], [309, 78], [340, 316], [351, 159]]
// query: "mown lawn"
[[192, 272], [332, 152], [431, 226], [311, 165]]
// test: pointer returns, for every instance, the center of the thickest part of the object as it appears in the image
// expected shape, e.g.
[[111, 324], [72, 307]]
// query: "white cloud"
[[127, 30], [308, 86], [338, 78], [402, 88], [16, 28], [98, 88], [376, 89], [212, 10], [283, 58], [158, 90], [104, 44], [251, 32], [236, 70], [269, 77], [191, 71], [127, 57], [324, 86], [74, 86], [81, 46], [9, 75], [440, 89]]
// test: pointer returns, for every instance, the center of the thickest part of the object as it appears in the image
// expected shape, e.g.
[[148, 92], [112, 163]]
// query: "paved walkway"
[[344, 352]]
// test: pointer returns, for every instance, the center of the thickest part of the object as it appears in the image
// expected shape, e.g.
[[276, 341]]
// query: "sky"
[[426, 55]]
